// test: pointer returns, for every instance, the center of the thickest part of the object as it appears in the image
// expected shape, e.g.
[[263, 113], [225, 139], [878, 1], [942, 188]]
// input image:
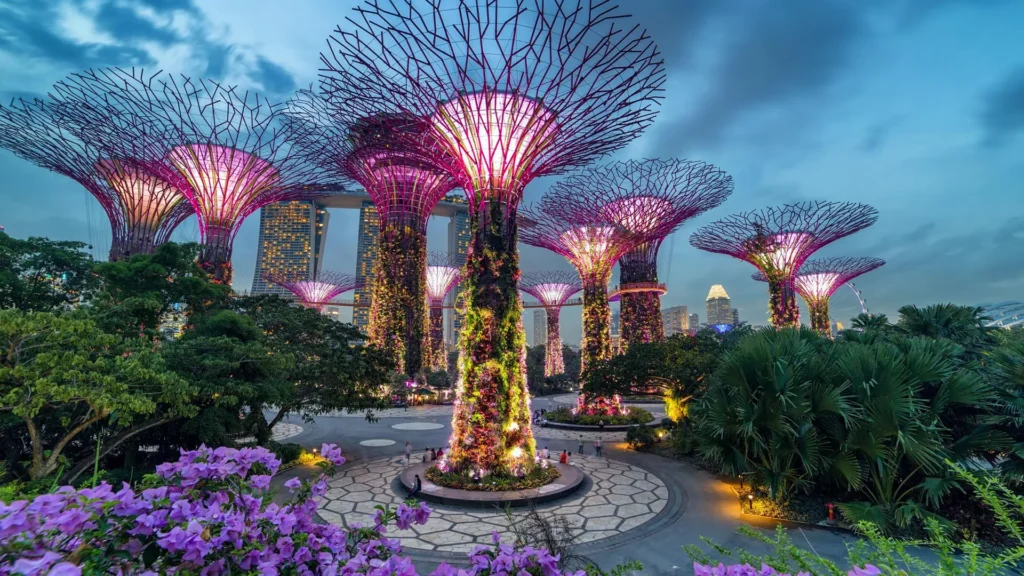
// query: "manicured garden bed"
[[565, 416], [494, 482]]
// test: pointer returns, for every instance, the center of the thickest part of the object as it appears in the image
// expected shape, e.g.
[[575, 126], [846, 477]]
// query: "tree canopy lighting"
[[376, 152], [318, 292], [779, 240], [444, 271], [143, 208], [651, 199], [817, 280], [511, 90], [552, 289], [226, 149]]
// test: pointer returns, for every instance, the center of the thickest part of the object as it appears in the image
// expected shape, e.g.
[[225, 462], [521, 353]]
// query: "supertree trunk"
[[554, 364], [438, 353], [597, 325], [782, 304], [818, 309], [398, 301], [491, 422], [640, 312], [215, 258]]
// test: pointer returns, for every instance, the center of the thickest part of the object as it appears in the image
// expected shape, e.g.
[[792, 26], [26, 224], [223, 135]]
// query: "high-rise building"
[[366, 257], [694, 322], [735, 317], [615, 324], [333, 312], [458, 243], [719, 306], [674, 320], [291, 244], [540, 327]]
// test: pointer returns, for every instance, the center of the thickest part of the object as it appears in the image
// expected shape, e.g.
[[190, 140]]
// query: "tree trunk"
[[111, 444]]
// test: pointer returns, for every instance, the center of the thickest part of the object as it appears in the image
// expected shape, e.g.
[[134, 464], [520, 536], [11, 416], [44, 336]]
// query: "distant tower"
[[735, 317], [540, 327], [719, 306], [458, 244], [675, 320], [291, 244], [694, 321], [366, 257]]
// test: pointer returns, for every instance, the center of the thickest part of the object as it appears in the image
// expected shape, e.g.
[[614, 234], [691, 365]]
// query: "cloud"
[[1002, 113], [273, 78], [675, 26], [878, 134]]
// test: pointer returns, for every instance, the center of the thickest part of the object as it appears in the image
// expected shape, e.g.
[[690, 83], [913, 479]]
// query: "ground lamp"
[[318, 291], [443, 272], [817, 280], [552, 288], [226, 149], [509, 95], [651, 199], [779, 240]]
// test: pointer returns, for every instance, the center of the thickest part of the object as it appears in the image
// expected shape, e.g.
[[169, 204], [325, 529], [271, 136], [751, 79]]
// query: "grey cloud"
[[1002, 114], [675, 25], [878, 134]]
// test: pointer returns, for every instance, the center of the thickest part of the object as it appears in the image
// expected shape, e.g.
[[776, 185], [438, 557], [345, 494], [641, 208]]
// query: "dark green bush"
[[641, 437], [494, 482], [285, 452], [565, 416]]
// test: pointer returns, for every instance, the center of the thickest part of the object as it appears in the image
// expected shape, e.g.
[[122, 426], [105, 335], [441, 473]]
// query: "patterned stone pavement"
[[623, 498], [431, 411], [281, 431]]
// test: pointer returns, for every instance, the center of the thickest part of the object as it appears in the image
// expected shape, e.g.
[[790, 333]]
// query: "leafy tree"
[[864, 321], [64, 363], [964, 325], [44, 275], [571, 358]]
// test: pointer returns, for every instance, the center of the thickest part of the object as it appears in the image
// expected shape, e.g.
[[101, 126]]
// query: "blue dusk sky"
[[913, 106]]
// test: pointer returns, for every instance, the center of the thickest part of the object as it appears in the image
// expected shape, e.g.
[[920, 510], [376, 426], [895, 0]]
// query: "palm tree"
[[964, 325], [865, 321], [1005, 370]]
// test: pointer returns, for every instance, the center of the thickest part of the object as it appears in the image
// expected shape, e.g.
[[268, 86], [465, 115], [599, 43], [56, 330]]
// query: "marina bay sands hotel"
[[293, 235]]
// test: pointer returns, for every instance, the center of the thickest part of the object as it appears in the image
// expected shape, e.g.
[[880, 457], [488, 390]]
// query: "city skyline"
[[821, 123]]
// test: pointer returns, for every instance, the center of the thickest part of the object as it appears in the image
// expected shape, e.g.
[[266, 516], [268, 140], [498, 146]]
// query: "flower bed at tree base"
[[806, 508], [494, 482], [565, 416]]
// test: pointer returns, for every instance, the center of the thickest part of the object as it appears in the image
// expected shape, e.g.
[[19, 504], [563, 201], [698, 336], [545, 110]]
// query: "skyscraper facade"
[[735, 317], [719, 306], [366, 256], [694, 322], [540, 327], [291, 244], [458, 243], [675, 320]]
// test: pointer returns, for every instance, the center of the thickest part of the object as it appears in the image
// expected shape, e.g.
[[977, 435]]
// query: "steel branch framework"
[[651, 199], [226, 149], [779, 240], [552, 288], [143, 209], [510, 90], [318, 292], [817, 280], [444, 271]]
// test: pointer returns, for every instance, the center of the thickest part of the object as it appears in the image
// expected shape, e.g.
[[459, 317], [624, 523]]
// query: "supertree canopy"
[[376, 152], [143, 209], [317, 292], [512, 90], [444, 271], [817, 280], [651, 199], [552, 289], [227, 150], [779, 240]]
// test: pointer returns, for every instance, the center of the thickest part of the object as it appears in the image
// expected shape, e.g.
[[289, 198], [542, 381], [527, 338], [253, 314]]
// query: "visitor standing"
[[597, 447], [600, 425], [440, 453], [568, 458], [408, 452], [581, 444], [545, 453]]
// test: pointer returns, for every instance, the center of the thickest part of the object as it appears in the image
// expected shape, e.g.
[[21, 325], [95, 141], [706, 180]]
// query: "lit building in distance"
[[366, 256], [719, 306], [837, 327], [735, 317], [458, 243], [694, 322], [675, 320], [540, 327], [616, 320], [333, 312], [291, 244]]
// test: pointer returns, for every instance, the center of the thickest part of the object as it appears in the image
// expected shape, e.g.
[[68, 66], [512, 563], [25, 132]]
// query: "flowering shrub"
[[495, 482], [210, 513], [634, 415], [748, 570]]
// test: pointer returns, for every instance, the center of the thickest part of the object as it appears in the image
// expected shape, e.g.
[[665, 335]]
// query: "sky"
[[913, 106]]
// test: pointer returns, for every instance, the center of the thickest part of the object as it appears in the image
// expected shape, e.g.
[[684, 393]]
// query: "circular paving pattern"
[[412, 412], [622, 498], [281, 431], [377, 442], [418, 426]]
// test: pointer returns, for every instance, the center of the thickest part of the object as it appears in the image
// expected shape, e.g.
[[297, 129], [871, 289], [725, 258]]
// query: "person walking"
[[581, 445], [408, 452], [417, 486], [597, 447]]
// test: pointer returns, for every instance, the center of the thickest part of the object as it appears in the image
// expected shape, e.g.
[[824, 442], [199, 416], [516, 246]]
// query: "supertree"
[[779, 240], [444, 271], [143, 209], [580, 231], [317, 292], [817, 280], [511, 90], [552, 289], [374, 151], [225, 149], [651, 199]]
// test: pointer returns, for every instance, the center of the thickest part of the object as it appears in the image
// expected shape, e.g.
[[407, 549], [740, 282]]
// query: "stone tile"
[[630, 523], [597, 511], [630, 510], [605, 523], [334, 493], [594, 500], [340, 506], [432, 525], [447, 537], [625, 490], [359, 496], [619, 499], [358, 487], [645, 485], [621, 480], [365, 508], [644, 497], [458, 547], [590, 536], [635, 474], [331, 517], [661, 492]]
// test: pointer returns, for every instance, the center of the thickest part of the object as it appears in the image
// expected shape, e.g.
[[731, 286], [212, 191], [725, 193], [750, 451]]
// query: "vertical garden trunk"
[[438, 354], [639, 312], [597, 325], [215, 258], [491, 420], [554, 364], [398, 301], [782, 303], [818, 309]]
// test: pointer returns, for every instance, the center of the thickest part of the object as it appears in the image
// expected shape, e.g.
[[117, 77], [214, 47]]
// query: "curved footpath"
[[695, 503]]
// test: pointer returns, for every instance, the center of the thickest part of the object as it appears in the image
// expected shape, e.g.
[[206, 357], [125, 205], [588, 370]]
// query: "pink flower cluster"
[[748, 570]]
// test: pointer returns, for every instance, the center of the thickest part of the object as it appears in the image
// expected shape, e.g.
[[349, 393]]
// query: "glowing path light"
[[553, 289], [779, 240], [443, 273]]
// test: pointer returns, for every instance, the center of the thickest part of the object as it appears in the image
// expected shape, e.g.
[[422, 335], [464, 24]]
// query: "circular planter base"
[[570, 480], [593, 428]]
